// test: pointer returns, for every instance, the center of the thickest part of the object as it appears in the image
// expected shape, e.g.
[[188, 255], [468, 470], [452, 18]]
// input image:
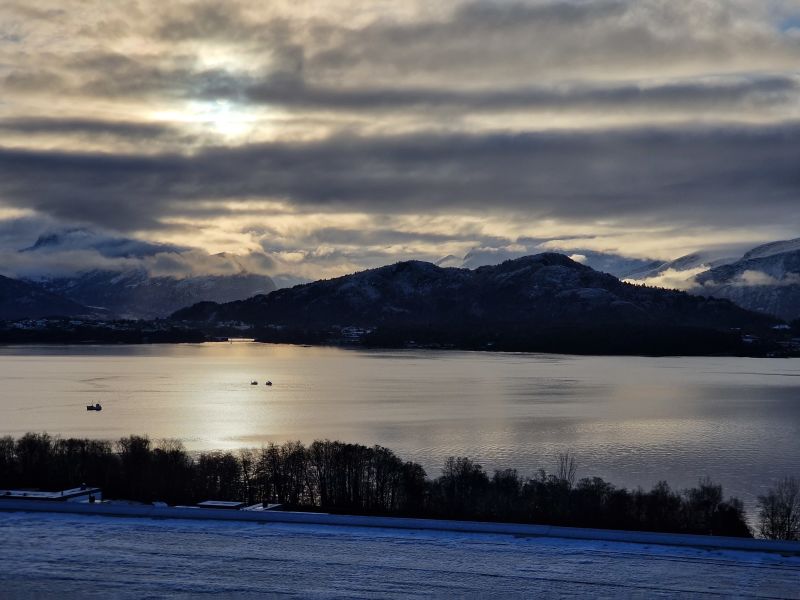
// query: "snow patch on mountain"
[[606, 262], [772, 249], [764, 280]]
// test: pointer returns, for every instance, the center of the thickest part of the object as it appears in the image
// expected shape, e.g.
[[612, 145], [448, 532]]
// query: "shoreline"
[[366, 348]]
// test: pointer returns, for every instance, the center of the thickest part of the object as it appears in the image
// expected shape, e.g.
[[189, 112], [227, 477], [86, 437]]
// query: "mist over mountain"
[[81, 238], [765, 279], [127, 277], [679, 273], [124, 277]]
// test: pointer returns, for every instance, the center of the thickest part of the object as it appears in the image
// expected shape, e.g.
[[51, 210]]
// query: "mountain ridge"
[[23, 300], [534, 297], [767, 283], [136, 294]]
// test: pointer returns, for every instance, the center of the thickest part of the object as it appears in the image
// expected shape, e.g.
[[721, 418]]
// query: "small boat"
[[268, 383], [94, 407], [253, 383]]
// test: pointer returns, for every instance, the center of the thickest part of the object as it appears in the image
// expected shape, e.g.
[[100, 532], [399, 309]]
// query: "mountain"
[[112, 272], [22, 300], [772, 249], [684, 267], [766, 279], [544, 302], [613, 264], [607, 262], [134, 294], [450, 261]]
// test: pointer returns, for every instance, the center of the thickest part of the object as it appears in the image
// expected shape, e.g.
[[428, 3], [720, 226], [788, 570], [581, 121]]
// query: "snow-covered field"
[[55, 555]]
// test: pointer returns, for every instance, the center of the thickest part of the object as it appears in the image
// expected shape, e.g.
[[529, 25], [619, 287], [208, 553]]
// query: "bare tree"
[[567, 467], [779, 511]]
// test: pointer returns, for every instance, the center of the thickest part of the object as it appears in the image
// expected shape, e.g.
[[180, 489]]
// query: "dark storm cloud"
[[86, 126], [523, 41], [290, 89], [721, 94], [729, 174]]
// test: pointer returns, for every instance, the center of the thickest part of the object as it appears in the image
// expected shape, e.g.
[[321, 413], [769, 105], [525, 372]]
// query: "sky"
[[318, 137]]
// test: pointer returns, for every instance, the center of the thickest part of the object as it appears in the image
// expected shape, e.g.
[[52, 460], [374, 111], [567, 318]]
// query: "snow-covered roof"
[[43, 495], [221, 504]]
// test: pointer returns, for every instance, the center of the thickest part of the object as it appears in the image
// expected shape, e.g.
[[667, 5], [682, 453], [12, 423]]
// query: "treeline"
[[63, 331], [351, 478], [598, 339]]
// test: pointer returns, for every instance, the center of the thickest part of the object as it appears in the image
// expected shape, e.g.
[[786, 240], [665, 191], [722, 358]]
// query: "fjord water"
[[632, 420]]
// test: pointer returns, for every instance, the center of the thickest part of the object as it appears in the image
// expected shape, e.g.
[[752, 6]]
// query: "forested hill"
[[541, 302]]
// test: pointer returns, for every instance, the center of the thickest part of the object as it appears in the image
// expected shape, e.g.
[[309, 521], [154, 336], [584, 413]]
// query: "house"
[[83, 493]]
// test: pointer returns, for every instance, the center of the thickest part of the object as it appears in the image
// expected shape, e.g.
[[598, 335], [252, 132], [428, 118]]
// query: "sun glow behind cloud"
[[220, 117]]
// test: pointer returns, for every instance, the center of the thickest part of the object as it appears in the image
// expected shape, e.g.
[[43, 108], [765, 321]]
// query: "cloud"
[[673, 279], [64, 252], [624, 175], [482, 56], [751, 278], [106, 245], [328, 137], [730, 96], [506, 42], [85, 126], [198, 262]]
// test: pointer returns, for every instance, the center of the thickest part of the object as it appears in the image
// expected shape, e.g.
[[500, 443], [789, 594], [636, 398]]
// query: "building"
[[221, 504], [79, 494]]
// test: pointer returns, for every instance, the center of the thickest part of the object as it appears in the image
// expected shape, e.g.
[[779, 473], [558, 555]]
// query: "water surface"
[[632, 420]]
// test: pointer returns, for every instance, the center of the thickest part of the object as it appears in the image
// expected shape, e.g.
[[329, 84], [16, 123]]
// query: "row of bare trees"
[[779, 511], [333, 476], [350, 478]]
